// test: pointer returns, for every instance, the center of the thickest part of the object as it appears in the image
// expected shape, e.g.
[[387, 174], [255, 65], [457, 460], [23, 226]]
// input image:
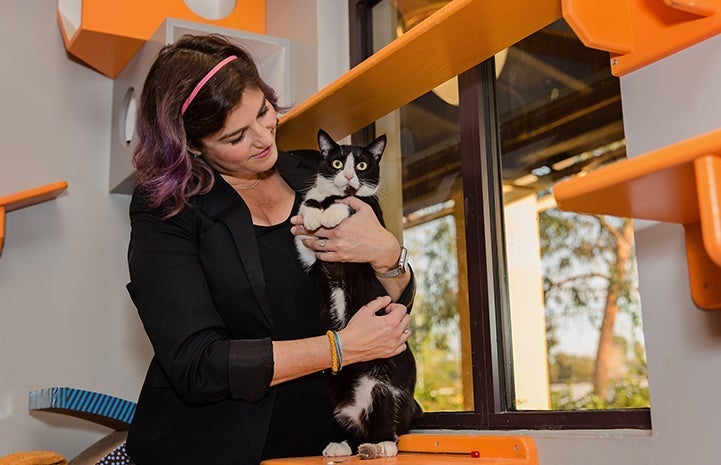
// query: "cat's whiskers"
[[383, 194]]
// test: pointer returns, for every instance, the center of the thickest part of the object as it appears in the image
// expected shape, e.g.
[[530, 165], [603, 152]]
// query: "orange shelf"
[[106, 35], [26, 198], [452, 40], [679, 183], [434, 449], [639, 32]]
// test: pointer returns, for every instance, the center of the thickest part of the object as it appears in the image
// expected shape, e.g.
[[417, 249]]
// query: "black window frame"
[[483, 203]]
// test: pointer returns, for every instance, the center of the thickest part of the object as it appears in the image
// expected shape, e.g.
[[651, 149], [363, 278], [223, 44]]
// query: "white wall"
[[319, 31], [66, 319]]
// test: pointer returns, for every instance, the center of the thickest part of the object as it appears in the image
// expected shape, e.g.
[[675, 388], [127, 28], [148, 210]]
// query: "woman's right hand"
[[369, 336]]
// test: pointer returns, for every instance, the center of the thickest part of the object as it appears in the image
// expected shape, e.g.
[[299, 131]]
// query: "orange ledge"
[[680, 183], [434, 449], [106, 35], [26, 198], [452, 40], [639, 32]]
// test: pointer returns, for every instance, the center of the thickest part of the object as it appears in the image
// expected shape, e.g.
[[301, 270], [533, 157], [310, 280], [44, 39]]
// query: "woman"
[[240, 363]]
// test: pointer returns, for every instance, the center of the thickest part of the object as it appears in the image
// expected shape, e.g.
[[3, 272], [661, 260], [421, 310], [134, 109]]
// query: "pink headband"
[[203, 81]]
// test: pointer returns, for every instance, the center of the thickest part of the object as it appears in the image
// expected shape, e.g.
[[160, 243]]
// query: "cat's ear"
[[325, 142], [377, 147]]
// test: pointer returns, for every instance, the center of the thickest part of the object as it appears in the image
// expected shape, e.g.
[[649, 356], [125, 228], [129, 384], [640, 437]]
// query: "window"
[[504, 278]]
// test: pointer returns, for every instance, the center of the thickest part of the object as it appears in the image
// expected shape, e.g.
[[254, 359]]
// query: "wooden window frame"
[[480, 154]]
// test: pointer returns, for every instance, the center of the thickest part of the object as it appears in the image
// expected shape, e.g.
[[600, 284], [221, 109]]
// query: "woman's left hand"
[[360, 238]]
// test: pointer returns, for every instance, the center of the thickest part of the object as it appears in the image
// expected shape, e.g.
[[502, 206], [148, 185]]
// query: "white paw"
[[337, 449], [312, 218], [382, 449], [306, 255], [333, 215]]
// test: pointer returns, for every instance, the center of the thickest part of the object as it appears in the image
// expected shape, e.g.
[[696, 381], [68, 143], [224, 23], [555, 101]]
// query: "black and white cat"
[[372, 401]]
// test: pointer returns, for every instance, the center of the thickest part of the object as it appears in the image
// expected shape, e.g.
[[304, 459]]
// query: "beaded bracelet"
[[336, 352], [339, 349]]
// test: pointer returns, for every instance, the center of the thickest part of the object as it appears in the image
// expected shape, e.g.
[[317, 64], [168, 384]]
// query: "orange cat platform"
[[440, 449], [679, 183], [26, 198]]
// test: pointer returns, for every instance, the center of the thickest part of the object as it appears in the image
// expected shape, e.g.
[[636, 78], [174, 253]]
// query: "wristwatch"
[[400, 267]]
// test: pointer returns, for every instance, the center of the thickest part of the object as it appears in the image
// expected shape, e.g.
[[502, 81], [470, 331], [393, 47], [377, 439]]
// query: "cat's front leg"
[[306, 255], [374, 451], [337, 449], [333, 215], [311, 217]]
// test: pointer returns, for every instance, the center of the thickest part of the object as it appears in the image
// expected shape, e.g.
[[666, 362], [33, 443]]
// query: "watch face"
[[402, 261]]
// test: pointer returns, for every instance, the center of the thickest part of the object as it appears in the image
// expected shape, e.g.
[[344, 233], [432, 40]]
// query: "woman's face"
[[245, 146]]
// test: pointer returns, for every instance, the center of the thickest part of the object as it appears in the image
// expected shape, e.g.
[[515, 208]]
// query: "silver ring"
[[405, 331], [321, 243]]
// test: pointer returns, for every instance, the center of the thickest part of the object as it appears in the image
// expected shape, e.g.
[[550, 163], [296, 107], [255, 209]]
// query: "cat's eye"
[[337, 164], [361, 166]]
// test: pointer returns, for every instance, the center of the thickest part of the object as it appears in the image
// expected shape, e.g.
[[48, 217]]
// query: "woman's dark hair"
[[167, 172]]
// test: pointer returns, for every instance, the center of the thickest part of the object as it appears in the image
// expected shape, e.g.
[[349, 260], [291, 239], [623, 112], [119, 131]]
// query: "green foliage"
[[629, 392], [570, 368], [440, 387], [580, 266], [434, 320], [626, 393], [578, 258]]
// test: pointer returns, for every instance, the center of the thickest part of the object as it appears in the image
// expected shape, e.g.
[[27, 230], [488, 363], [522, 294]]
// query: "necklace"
[[247, 188]]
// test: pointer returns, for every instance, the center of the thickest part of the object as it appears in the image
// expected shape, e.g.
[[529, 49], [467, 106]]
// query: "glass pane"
[[421, 172], [572, 288]]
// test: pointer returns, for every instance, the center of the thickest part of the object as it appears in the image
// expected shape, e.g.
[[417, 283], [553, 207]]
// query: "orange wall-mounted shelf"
[[443, 449], [639, 32], [455, 38], [26, 198], [106, 34], [679, 183]]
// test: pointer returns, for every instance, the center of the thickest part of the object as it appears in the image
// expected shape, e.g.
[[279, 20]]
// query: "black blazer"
[[197, 282]]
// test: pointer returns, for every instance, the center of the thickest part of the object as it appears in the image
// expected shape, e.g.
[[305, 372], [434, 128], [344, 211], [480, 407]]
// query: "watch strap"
[[400, 266]]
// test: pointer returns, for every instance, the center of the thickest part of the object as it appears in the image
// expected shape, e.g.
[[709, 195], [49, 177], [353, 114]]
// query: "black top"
[[301, 422]]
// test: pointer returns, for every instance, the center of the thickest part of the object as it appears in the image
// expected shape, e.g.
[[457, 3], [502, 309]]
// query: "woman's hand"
[[360, 238], [366, 337], [369, 336]]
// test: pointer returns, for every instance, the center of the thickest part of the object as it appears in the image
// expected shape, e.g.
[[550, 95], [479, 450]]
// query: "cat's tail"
[[417, 413]]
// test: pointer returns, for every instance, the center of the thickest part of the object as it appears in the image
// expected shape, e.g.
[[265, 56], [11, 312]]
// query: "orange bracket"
[[679, 183], [639, 32], [26, 198], [106, 35], [444, 449]]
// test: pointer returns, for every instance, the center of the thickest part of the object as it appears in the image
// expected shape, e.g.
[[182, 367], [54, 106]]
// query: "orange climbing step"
[[639, 32], [679, 183], [26, 198], [441, 449], [106, 35]]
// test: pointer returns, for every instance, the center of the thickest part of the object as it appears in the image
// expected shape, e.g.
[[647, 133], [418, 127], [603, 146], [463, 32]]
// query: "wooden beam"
[[457, 37]]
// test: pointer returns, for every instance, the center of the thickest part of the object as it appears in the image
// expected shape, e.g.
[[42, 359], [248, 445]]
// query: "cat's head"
[[351, 169]]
